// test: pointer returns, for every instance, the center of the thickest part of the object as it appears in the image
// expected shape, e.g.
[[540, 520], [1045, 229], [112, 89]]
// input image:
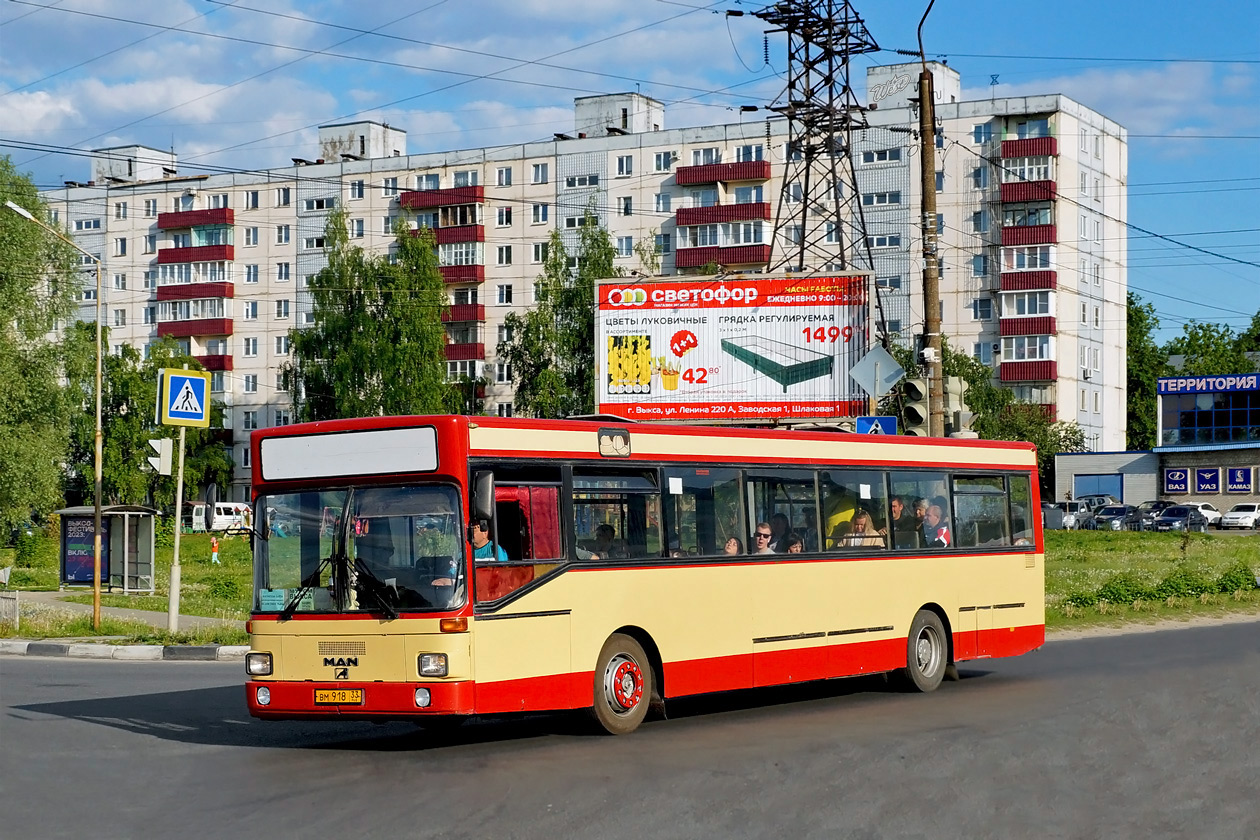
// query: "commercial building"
[[1031, 202]]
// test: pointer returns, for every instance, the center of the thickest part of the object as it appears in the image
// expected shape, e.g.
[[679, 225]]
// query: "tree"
[[377, 345], [128, 397], [39, 282], [1209, 349], [1147, 361], [550, 348], [1249, 339]]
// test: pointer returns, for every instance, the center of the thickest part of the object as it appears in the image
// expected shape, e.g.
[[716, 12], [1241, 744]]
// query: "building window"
[[282, 234], [1026, 303], [881, 156], [466, 178], [460, 253], [249, 420], [505, 333], [575, 181], [893, 282], [150, 208], [120, 317], [982, 309], [1021, 348], [282, 345], [1098, 230], [120, 247], [539, 173], [216, 377], [87, 224], [1097, 317], [249, 347], [662, 161], [251, 274], [572, 222], [1026, 169], [282, 196], [664, 243], [875, 199], [503, 176], [747, 195], [282, 272], [120, 281], [312, 204], [504, 409], [150, 315], [282, 308], [704, 157], [746, 154], [940, 181], [539, 213], [703, 198], [625, 246], [150, 279], [357, 228], [540, 252], [502, 373], [356, 189], [89, 294], [251, 383], [313, 243], [428, 181], [982, 351], [503, 216], [387, 225], [980, 221], [982, 133], [504, 255], [505, 294], [627, 205], [120, 209], [894, 326], [249, 310], [1027, 258], [888, 240], [795, 193], [389, 187], [979, 265], [283, 417]]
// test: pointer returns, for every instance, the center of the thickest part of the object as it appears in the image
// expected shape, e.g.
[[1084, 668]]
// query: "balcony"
[[187, 329], [200, 253], [1016, 191], [465, 352], [195, 218], [1030, 235], [1036, 325], [1028, 281], [719, 213], [215, 361], [735, 255], [458, 233], [193, 291], [422, 199], [1030, 147], [465, 312], [463, 273], [1039, 371], [712, 173]]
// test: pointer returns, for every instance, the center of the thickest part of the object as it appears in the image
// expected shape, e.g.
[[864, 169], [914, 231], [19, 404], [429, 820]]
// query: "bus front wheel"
[[623, 685], [927, 652]]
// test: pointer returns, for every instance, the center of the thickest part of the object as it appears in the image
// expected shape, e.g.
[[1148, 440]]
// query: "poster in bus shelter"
[[736, 348], [78, 549]]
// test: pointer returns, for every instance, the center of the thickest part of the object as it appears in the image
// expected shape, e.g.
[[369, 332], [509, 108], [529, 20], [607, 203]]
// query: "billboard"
[[736, 348]]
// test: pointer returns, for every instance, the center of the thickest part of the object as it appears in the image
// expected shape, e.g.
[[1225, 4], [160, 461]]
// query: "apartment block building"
[[1030, 193]]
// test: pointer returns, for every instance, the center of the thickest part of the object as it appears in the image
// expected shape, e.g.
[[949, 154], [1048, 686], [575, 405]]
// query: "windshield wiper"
[[372, 585], [292, 606]]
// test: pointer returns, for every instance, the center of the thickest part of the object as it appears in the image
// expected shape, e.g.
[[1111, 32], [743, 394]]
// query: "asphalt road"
[[1149, 735]]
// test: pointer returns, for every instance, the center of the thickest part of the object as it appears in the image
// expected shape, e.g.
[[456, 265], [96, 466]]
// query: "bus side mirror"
[[483, 495]]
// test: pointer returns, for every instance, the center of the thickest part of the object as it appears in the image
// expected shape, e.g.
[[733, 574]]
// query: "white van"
[[230, 516]]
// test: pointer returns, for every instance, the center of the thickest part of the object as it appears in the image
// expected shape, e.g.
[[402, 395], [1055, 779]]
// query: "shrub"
[[226, 589], [164, 531], [1080, 599], [1124, 588], [1238, 577], [1184, 582]]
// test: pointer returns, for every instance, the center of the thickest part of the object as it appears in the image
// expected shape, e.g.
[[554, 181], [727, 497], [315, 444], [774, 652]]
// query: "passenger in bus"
[[483, 549], [734, 546], [864, 533], [795, 545], [778, 533], [935, 528], [761, 539], [905, 528], [808, 530]]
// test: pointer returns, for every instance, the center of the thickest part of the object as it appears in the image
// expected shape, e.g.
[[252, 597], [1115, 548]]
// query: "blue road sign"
[[876, 425], [185, 398]]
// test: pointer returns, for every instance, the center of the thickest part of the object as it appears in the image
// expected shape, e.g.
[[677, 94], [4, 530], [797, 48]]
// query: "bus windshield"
[[360, 549]]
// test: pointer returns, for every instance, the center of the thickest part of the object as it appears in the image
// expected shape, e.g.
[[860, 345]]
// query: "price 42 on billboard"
[[758, 347]]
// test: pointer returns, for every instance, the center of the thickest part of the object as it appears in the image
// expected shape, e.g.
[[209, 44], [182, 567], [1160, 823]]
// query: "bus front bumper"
[[285, 700]]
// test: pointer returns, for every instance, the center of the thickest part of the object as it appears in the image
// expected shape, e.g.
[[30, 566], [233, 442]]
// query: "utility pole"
[[931, 252]]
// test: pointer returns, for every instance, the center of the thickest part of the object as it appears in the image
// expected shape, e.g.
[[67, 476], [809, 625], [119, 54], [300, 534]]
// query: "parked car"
[[1180, 518], [1098, 500], [1114, 518], [230, 516], [1146, 513], [1075, 514], [1209, 511], [1241, 515], [1051, 517]]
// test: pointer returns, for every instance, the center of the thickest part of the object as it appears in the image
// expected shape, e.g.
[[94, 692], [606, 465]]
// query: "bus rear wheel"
[[927, 652], [623, 685]]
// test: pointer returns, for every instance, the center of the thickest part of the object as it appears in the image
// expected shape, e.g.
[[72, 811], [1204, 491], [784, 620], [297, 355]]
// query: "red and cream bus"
[[623, 564]]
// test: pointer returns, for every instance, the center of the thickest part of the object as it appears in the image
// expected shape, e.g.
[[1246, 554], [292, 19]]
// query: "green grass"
[[42, 621]]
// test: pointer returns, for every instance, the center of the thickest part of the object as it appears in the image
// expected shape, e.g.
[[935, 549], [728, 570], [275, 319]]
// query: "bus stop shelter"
[[127, 546]]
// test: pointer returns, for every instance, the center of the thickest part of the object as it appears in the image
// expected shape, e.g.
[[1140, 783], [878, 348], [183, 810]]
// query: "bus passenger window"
[[617, 516], [924, 497], [855, 509], [980, 511], [787, 501], [705, 510], [1021, 509]]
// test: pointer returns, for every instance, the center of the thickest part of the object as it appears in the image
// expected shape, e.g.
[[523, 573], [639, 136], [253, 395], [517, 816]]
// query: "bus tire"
[[623, 685], [927, 652]]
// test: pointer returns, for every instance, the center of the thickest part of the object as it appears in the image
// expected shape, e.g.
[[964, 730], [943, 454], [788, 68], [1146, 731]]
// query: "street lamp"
[[96, 558]]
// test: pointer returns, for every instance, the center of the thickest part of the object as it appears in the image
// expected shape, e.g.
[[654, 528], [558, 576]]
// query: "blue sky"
[[243, 83]]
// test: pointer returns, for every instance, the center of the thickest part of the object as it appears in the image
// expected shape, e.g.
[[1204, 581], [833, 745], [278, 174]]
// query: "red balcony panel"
[[203, 253], [1051, 410], [1037, 325], [712, 173], [1029, 191], [420, 199], [1040, 371], [463, 273], [737, 255], [1030, 235], [1030, 147], [204, 326], [217, 361], [195, 218], [193, 291], [1026, 281], [465, 352], [459, 233], [724, 213], [465, 312]]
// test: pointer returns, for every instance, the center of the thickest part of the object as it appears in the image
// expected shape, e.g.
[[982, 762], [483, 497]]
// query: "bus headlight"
[[423, 698], [432, 664], [258, 664], [263, 696]]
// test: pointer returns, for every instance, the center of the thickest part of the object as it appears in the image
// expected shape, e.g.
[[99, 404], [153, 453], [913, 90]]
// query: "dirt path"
[[1151, 626]]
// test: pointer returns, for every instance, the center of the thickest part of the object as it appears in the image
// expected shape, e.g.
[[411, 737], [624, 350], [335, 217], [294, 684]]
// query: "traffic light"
[[957, 414], [162, 463], [914, 407]]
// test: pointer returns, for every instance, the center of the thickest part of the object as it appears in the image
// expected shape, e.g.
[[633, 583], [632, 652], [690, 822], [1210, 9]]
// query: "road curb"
[[129, 653]]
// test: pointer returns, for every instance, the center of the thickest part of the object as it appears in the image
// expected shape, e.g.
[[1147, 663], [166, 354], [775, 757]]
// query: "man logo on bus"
[[627, 297]]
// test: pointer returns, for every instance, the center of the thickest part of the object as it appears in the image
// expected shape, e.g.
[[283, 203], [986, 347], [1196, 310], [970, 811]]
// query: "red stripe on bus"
[[297, 699]]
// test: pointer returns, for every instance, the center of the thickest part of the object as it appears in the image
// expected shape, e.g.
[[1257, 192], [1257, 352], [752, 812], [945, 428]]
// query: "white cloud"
[[29, 115]]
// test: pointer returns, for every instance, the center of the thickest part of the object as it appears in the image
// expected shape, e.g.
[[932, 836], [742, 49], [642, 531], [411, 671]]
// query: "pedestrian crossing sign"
[[183, 396]]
